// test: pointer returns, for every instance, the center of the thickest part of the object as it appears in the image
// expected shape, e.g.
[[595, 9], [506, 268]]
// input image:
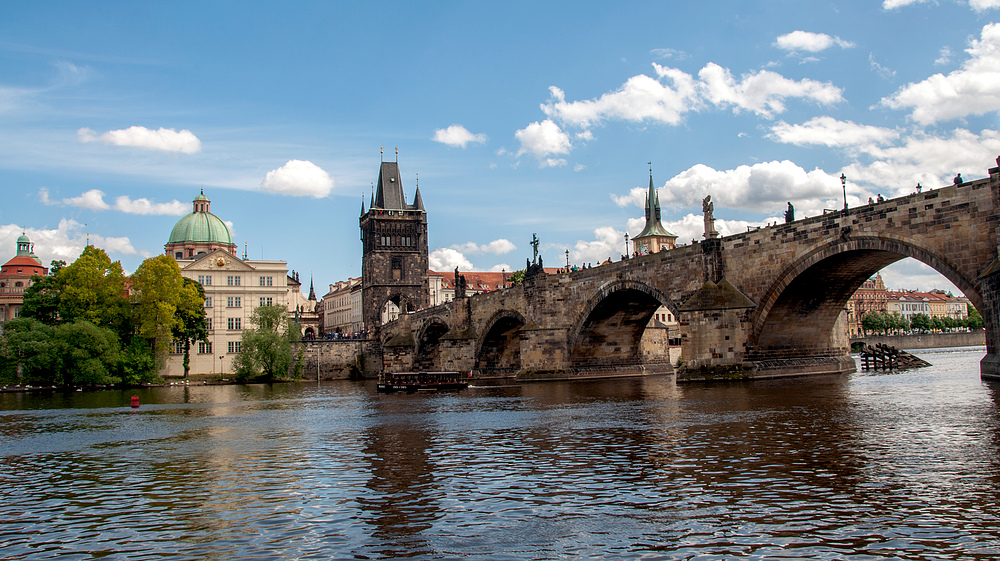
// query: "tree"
[[921, 322], [93, 288], [27, 355], [191, 325], [90, 354], [41, 299], [975, 320], [157, 290], [266, 351], [516, 277], [873, 322]]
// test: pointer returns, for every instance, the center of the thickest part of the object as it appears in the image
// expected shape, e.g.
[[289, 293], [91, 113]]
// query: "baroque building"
[[15, 277], [394, 251], [203, 247]]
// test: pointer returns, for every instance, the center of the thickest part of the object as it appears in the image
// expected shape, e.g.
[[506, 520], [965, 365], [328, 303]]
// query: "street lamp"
[[626, 245], [843, 183], [222, 365]]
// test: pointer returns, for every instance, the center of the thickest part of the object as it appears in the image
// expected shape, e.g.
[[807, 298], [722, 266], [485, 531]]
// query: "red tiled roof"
[[26, 265]]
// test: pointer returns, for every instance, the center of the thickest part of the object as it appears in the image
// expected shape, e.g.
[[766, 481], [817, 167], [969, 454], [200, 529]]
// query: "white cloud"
[[446, 259], [552, 163], [944, 57], [94, 200], [496, 247], [501, 267], [893, 4], [164, 140], [762, 93], [809, 42], [827, 131], [457, 135], [608, 242], [65, 242], [974, 89], [669, 53], [542, 139], [298, 178], [884, 72], [145, 206], [983, 5]]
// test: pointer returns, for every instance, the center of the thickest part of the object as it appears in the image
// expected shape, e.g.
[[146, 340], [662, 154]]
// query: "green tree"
[[27, 355], [137, 363], [266, 350], [517, 277], [191, 325], [974, 320], [921, 322], [873, 322], [93, 289], [41, 299], [90, 354], [157, 291]]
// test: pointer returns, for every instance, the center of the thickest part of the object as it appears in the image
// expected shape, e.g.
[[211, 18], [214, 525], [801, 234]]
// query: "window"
[[234, 302], [178, 255], [233, 280], [205, 280], [266, 301], [397, 268], [204, 347], [233, 323], [208, 301], [234, 346], [208, 324], [266, 281], [176, 347]]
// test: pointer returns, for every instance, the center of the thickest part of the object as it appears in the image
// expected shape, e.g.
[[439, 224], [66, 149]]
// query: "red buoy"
[[135, 401]]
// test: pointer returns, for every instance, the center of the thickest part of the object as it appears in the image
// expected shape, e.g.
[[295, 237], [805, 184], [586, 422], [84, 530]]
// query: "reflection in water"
[[898, 466]]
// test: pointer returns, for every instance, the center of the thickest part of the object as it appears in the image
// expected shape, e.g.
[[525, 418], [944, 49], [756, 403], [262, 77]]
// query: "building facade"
[[872, 296], [202, 245], [15, 278]]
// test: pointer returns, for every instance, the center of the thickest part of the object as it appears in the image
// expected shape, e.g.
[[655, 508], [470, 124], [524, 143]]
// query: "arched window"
[[18, 284], [397, 268]]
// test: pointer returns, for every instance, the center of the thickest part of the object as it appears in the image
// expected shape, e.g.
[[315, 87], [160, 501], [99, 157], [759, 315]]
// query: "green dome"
[[201, 227], [23, 238]]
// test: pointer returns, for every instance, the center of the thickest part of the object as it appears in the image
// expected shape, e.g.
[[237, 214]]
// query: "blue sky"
[[518, 118]]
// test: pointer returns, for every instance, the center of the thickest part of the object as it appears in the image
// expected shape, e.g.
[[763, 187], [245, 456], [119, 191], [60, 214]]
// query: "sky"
[[514, 118]]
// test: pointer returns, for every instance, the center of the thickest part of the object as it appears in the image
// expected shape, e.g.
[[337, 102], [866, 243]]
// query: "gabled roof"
[[210, 262]]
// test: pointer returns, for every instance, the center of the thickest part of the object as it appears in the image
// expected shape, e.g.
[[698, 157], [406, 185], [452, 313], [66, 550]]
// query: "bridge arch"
[[498, 350], [799, 311], [609, 328], [428, 349]]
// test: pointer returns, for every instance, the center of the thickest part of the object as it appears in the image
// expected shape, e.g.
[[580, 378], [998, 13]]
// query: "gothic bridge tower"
[[394, 252]]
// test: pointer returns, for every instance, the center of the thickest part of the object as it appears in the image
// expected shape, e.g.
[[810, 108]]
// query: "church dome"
[[201, 227], [23, 238]]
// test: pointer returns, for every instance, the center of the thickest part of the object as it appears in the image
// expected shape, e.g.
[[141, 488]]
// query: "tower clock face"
[[643, 249]]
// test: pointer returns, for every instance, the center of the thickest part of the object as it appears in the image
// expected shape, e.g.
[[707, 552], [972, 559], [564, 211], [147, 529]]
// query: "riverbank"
[[192, 380], [925, 340]]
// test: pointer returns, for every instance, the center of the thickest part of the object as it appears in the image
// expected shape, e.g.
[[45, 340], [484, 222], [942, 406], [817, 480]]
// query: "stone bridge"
[[765, 303]]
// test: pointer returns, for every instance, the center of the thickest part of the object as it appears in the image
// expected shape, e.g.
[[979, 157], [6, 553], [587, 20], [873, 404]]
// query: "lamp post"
[[222, 365], [843, 183], [567, 260], [626, 245]]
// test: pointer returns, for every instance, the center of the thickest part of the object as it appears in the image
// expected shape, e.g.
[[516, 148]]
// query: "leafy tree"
[[90, 354], [157, 290], [191, 325], [921, 322], [93, 289], [41, 299], [266, 350], [937, 324], [873, 322], [27, 355], [974, 321], [517, 277], [137, 363]]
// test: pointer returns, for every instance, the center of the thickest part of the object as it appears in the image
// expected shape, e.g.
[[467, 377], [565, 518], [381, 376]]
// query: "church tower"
[[654, 238], [394, 252]]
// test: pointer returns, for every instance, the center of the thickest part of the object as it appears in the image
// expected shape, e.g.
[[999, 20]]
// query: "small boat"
[[422, 381]]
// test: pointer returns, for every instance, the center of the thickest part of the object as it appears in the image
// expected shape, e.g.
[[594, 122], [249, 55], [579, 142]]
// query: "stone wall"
[[338, 359], [927, 340]]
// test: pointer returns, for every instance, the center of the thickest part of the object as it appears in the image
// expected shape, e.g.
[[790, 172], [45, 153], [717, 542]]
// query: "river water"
[[866, 466]]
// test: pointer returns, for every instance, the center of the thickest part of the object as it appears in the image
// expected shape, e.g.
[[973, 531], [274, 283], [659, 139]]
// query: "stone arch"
[[400, 300], [498, 349], [608, 330], [795, 316], [427, 344]]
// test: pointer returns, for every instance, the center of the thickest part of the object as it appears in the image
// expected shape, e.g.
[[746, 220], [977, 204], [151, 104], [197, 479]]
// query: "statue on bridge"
[[958, 179], [533, 267], [707, 206], [790, 214]]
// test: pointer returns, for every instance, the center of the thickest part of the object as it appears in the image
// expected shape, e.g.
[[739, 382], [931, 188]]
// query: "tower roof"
[[653, 226], [389, 191]]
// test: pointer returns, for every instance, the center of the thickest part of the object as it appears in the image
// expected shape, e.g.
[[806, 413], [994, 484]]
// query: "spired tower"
[[394, 252], [654, 238]]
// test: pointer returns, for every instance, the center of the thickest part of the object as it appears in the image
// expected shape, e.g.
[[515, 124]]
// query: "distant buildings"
[[15, 277], [873, 296]]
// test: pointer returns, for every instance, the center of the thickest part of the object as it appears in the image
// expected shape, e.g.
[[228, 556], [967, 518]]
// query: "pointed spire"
[[362, 205], [312, 292], [418, 203]]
